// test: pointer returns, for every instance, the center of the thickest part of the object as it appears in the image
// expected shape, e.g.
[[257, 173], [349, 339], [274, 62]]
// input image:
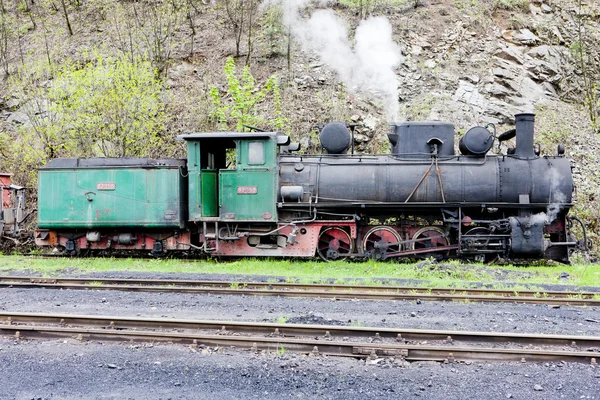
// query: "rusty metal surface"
[[171, 240], [589, 299], [304, 245], [319, 339]]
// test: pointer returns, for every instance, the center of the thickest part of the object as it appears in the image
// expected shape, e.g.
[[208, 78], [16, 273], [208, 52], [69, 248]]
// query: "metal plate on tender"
[[106, 186], [247, 189]]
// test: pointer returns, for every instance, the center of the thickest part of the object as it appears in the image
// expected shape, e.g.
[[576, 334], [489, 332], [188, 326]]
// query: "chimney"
[[524, 124]]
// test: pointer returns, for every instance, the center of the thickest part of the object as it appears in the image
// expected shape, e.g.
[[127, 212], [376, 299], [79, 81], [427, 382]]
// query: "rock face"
[[481, 65], [515, 77], [521, 37]]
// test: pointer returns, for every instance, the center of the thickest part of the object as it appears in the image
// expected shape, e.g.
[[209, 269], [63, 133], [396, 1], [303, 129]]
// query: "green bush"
[[240, 104], [108, 107], [111, 107], [510, 4]]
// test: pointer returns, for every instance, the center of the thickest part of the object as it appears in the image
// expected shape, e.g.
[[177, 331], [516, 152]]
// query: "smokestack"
[[524, 124]]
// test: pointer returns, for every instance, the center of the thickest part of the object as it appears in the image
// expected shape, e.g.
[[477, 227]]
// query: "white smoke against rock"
[[556, 198], [367, 67]]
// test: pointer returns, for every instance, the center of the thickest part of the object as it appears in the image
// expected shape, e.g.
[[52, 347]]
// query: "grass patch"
[[522, 5], [373, 4], [280, 350], [367, 273]]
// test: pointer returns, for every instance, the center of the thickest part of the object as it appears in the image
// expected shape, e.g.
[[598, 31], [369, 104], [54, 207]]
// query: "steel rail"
[[317, 338], [589, 299], [396, 334]]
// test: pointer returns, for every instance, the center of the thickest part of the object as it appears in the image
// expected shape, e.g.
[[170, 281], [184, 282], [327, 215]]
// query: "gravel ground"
[[71, 369], [93, 370]]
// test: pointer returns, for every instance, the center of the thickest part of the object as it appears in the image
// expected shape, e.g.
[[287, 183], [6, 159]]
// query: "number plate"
[[247, 189], [106, 186]]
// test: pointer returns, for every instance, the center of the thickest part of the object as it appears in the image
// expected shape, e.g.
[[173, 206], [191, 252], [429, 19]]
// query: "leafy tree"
[[66, 14], [147, 29], [192, 8], [242, 14], [240, 105], [108, 107], [37, 140], [5, 35], [585, 51], [157, 23]]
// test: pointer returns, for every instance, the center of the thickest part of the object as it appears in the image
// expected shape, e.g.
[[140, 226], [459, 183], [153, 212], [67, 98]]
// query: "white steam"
[[556, 198], [367, 67], [556, 195]]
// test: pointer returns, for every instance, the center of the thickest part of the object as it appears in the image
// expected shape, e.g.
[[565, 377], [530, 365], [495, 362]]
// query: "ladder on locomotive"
[[210, 232]]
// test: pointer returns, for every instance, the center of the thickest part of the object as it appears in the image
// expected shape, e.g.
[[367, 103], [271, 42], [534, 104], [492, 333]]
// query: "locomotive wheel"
[[478, 231], [334, 244], [430, 237], [478, 242], [380, 240]]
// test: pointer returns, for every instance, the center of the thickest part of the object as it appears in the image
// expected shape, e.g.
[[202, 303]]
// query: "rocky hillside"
[[467, 62]]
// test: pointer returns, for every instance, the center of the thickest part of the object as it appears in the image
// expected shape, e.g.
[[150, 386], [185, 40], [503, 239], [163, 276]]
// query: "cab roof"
[[228, 135], [281, 138]]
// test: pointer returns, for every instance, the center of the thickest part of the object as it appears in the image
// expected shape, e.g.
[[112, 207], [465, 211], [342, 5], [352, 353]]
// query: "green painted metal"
[[247, 196], [194, 181], [148, 196], [246, 191], [210, 205], [249, 192]]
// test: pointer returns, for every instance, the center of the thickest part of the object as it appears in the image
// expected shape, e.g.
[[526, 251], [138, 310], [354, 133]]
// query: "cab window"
[[256, 153]]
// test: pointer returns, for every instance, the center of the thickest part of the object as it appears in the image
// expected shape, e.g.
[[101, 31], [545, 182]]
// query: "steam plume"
[[556, 198], [367, 67]]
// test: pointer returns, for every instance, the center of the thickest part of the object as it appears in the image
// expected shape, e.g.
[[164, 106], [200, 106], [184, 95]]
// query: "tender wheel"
[[381, 240], [334, 244], [430, 237]]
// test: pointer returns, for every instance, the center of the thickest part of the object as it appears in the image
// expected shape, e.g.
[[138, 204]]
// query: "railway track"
[[368, 292], [360, 342]]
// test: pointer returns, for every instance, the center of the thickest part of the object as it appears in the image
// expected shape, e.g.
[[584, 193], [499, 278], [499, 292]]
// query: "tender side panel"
[[112, 197]]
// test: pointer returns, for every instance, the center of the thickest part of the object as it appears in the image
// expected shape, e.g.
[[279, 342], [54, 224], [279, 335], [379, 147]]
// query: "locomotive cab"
[[233, 176], [232, 184]]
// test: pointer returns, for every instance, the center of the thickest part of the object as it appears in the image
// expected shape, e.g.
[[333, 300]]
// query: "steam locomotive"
[[255, 194]]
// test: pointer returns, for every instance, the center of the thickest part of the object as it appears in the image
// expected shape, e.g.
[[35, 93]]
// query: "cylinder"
[[386, 179], [291, 193]]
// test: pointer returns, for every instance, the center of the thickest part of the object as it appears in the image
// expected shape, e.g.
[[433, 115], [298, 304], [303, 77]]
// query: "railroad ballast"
[[254, 194]]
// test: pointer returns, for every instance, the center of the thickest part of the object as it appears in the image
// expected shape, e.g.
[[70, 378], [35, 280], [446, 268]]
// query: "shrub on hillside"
[[107, 107]]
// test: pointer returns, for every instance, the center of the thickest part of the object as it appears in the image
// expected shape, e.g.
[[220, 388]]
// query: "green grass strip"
[[451, 273]]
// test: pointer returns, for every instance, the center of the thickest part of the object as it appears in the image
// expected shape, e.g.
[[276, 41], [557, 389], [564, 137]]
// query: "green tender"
[[107, 193]]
